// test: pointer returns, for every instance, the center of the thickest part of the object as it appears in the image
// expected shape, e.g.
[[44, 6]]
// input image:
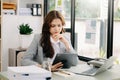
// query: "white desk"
[[111, 74]]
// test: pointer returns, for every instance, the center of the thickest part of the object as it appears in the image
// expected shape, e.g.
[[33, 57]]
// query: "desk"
[[111, 74]]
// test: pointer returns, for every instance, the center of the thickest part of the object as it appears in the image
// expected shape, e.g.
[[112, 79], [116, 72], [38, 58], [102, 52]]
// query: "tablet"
[[68, 59]]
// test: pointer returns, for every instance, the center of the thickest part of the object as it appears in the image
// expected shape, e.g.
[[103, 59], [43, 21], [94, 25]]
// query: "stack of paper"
[[28, 73]]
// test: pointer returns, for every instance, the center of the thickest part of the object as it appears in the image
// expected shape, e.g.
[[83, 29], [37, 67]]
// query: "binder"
[[28, 73], [9, 6]]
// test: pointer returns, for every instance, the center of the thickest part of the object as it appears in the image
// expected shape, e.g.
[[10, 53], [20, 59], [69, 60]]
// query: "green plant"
[[25, 29]]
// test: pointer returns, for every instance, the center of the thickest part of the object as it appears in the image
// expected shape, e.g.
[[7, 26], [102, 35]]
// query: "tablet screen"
[[67, 59]]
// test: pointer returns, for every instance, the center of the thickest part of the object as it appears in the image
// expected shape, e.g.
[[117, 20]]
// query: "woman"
[[49, 43]]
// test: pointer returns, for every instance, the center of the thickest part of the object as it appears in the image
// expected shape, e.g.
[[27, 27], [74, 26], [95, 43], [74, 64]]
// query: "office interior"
[[93, 26]]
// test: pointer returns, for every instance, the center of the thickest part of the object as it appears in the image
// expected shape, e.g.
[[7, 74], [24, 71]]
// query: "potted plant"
[[25, 29], [25, 32]]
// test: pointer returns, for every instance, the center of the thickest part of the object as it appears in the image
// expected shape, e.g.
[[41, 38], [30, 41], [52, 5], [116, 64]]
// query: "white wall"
[[10, 32]]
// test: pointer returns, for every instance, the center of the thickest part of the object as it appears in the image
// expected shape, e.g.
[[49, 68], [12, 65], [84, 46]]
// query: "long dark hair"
[[45, 39]]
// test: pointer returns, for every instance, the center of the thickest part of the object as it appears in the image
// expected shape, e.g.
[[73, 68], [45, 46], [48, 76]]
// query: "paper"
[[64, 73], [28, 73]]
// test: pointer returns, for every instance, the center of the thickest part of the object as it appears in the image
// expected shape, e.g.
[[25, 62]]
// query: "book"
[[9, 6]]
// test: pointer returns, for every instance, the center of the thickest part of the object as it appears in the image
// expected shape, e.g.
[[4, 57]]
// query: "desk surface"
[[111, 74]]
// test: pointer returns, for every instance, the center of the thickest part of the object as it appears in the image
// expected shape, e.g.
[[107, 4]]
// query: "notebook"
[[93, 71]]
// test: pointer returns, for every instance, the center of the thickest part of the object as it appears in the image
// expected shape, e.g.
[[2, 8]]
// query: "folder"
[[28, 73], [9, 6]]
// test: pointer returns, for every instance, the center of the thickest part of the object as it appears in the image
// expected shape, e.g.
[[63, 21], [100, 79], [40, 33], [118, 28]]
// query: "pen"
[[63, 72]]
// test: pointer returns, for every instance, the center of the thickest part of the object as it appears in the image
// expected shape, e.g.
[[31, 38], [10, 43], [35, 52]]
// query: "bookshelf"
[[22, 7], [10, 22]]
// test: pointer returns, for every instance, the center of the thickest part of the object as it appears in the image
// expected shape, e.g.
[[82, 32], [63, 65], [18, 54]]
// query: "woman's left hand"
[[56, 66]]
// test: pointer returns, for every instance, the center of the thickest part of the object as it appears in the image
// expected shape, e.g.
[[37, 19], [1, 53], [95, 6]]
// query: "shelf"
[[20, 7], [11, 21]]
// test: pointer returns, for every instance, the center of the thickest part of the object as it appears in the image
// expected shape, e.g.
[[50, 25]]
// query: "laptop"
[[93, 71], [68, 59]]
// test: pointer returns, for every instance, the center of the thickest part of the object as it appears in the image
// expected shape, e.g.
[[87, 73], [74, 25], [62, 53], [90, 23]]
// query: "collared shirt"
[[56, 47]]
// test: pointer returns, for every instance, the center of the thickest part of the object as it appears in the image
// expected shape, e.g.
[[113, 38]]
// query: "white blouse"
[[56, 47]]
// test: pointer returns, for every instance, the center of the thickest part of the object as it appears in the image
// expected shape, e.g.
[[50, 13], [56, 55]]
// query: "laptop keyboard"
[[90, 71]]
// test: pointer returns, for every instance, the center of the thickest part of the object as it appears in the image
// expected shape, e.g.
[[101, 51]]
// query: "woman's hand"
[[56, 66], [62, 39]]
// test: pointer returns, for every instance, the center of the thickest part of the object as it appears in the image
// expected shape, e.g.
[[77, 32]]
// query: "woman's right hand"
[[56, 66]]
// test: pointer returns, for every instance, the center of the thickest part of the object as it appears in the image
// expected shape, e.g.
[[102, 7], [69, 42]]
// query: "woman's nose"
[[56, 28]]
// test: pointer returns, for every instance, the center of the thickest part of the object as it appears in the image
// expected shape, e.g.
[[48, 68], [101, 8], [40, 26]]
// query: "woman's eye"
[[52, 26], [59, 25]]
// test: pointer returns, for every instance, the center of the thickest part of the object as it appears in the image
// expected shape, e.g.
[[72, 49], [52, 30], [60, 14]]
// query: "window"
[[90, 27], [91, 31], [116, 32]]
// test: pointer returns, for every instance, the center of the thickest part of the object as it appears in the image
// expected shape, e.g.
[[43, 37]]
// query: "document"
[[64, 73], [28, 73]]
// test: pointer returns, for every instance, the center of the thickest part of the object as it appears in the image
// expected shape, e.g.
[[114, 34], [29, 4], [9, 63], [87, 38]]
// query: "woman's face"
[[56, 26]]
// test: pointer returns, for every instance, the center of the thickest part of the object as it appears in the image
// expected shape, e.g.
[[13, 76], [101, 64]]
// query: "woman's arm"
[[69, 47], [31, 52], [56, 66]]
